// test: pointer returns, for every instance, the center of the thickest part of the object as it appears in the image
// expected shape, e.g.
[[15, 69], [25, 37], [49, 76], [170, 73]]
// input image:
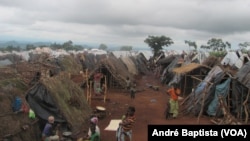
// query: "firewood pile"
[[228, 119]]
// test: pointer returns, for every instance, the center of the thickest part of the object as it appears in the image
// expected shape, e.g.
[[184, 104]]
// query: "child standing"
[[132, 91]]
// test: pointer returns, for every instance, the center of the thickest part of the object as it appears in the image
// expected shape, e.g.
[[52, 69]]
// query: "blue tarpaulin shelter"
[[220, 90]]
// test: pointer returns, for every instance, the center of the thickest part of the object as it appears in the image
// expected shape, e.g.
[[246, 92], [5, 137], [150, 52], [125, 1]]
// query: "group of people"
[[125, 127], [49, 134], [123, 132]]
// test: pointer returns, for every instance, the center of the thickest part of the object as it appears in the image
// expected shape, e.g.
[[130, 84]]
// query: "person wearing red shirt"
[[174, 92]]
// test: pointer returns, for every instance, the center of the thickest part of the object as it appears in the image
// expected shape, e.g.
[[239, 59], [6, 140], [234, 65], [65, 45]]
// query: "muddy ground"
[[150, 105]]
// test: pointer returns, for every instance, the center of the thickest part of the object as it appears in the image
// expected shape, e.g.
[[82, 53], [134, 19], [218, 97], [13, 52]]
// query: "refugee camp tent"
[[188, 76], [116, 71], [142, 64], [119, 54], [136, 64], [130, 64], [14, 120], [146, 53], [62, 98], [235, 59], [240, 99], [166, 66], [198, 100], [222, 90]]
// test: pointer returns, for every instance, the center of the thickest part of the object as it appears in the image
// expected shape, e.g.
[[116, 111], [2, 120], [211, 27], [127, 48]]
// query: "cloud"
[[126, 22]]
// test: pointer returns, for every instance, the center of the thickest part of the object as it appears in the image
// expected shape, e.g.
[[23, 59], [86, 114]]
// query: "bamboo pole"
[[202, 104], [185, 83], [90, 94], [246, 107], [105, 87]]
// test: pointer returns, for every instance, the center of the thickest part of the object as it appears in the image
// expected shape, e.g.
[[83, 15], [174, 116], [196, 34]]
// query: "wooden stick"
[[246, 106]]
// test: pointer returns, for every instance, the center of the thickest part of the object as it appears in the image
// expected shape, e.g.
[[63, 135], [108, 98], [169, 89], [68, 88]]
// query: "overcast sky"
[[125, 22]]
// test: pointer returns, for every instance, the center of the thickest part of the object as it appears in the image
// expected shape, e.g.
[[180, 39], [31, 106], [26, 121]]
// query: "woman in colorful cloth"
[[93, 122], [125, 127], [174, 92], [94, 135], [97, 82]]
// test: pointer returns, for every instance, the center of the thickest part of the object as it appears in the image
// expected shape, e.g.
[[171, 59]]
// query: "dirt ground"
[[150, 105]]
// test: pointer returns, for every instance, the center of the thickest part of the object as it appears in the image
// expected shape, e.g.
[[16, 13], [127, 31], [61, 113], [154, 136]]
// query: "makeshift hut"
[[165, 68], [115, 71], [14, 119], [241, 93], [130, 64], [62, 98], [235, 59], [142, 63], [188, 76], [198, 100]]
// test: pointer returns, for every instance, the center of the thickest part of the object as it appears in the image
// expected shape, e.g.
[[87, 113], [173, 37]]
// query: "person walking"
[[174, 92], [124, 130], [132, 91], [128, 83]]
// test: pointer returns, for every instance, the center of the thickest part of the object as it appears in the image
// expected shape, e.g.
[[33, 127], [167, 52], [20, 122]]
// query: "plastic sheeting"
[[243, 75], [42, 104], [220, 90]]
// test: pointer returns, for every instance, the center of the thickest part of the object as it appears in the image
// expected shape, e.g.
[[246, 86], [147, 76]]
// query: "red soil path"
[[150, 105]]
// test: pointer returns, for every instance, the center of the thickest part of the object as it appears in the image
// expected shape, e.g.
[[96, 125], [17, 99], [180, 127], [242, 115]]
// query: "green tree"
[[126, 48], [156, 43], [68, 45], [11, 48], [55, 46], [244, 45], [216, 45], [30, 47], [191, 44], [103, 47], [78, 47]]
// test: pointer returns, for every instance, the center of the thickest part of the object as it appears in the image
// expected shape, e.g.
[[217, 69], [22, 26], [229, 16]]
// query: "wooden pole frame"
[[105, 87]]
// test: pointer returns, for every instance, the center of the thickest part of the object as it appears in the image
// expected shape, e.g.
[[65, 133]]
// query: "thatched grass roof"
[[131, 66], [118, 69], [70, 99], [11, 86], [187, 68], [70, 64]]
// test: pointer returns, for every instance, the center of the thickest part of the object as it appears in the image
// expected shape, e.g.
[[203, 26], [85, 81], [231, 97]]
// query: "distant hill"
[[21, 44]]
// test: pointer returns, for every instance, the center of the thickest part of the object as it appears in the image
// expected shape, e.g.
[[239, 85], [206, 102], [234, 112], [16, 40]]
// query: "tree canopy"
[[191, 44], [103, 47], [126, 48], [216, 45], [156, 43]]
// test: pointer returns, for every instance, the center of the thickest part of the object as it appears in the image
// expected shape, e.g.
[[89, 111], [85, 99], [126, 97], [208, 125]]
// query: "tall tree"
[[102, 47], [191, 44], [126, 48], [156, 43], [217, 45], [244, 45], [68, 45]]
